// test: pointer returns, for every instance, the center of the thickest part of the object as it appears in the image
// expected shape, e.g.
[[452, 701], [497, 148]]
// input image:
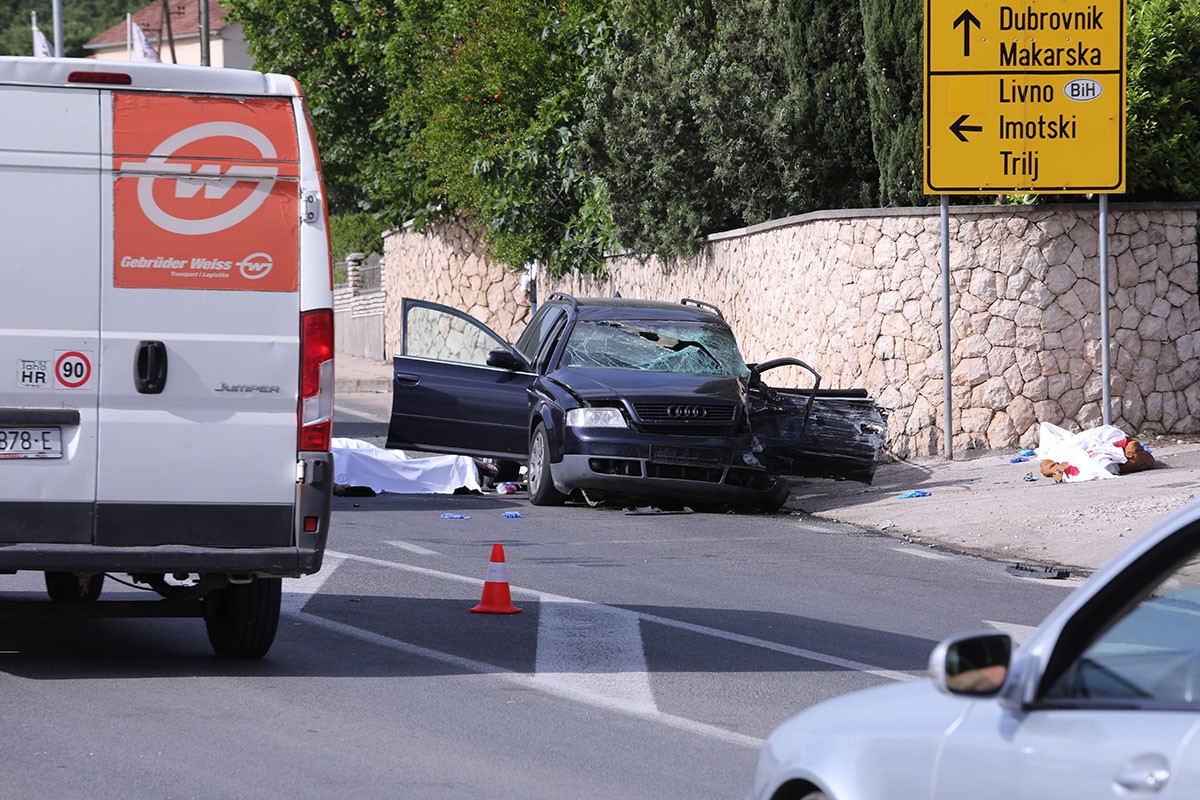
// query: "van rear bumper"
[[266, 561]]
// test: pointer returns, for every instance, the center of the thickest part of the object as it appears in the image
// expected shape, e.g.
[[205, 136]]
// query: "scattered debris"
[[885, 525], [657, 510], [511, 515], [1032, 571], [914, 493], [456, 516]]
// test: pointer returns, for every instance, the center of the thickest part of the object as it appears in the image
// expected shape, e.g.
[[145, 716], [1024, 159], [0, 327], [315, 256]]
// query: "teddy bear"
[[1137, 457]]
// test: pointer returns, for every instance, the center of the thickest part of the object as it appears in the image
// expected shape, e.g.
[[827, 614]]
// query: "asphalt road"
[[653, 654]]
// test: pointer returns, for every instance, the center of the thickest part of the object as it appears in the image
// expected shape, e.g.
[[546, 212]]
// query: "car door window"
[[443, 334], [1150, 655], [543, 322]]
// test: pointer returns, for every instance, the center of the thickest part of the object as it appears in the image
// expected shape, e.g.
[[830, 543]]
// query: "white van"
[[166, 338]]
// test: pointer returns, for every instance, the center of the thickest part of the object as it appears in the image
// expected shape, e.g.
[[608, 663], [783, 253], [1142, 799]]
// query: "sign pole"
[[1106, 376], [947, 416]]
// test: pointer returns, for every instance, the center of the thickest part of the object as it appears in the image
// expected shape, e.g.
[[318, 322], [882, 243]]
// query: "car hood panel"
[[592, 384]]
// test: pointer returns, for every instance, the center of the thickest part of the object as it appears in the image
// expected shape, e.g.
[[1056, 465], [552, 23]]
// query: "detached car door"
[[447, 398], [813, 432]]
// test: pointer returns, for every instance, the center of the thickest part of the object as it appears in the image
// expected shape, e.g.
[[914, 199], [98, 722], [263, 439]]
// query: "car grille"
[[686, 413]]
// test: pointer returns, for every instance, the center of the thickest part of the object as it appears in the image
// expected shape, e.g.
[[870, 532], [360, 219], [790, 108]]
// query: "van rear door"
[[50, 171], [200, 304]]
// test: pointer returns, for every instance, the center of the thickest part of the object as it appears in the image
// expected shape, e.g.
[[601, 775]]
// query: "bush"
[[355, 233]]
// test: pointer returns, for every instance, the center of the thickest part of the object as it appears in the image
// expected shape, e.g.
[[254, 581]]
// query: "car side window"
[[1150, 655], [444, 335], [539, 328]]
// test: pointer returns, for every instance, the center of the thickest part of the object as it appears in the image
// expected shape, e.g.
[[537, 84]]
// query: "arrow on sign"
[[966, 20], [957, 127]]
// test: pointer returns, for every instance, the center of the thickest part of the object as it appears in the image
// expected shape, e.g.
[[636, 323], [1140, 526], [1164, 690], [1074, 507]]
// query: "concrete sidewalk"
[[979, 504], [360, 375], [984, 505]]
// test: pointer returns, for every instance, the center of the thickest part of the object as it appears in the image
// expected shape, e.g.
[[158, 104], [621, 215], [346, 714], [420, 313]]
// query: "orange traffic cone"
[[496, 599]]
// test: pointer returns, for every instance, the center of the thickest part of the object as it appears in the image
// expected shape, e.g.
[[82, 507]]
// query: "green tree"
[[692, 128], [81, 21], [893, 68], [1163, 100], [821, 44]]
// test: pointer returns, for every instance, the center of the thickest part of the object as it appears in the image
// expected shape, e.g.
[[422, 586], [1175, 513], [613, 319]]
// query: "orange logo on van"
[[205, 193]]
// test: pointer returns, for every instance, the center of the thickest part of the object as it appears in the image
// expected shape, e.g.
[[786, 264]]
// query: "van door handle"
[[407, 378], [150, 367]]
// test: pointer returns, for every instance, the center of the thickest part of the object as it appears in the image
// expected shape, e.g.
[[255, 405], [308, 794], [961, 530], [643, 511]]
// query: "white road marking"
[[1019, 633], [912, 551], [594, 649], [587, 653], [532, 682], [414, 548], [354, 413], [543, 597], [300, 590]]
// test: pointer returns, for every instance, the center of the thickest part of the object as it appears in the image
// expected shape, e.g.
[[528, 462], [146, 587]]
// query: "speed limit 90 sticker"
[[205, 193], [72, 369]]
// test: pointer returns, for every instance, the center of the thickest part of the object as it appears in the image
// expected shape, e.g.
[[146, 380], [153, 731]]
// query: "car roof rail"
[[563, 296], [687, 301]]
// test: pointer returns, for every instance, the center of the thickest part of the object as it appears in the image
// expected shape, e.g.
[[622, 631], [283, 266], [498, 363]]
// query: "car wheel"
[[541, 486], [815, 796], [68, 587], [242, 618]]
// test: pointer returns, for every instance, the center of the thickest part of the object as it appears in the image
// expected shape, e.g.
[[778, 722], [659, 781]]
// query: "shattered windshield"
[[695, 348]]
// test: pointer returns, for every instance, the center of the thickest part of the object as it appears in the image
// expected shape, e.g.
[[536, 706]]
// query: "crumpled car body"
[[624, 397]]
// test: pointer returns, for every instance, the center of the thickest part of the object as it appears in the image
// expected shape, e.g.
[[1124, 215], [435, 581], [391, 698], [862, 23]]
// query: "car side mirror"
[[504, 359], [971, 664]]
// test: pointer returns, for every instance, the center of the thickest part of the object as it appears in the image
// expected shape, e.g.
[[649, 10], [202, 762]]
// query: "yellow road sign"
[[1024, 96]]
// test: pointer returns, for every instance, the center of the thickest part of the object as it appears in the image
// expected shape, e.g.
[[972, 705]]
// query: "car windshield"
[[696, 348]]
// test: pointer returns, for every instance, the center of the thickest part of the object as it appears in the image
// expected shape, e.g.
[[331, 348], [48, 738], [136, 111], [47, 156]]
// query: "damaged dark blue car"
[[604, 397]]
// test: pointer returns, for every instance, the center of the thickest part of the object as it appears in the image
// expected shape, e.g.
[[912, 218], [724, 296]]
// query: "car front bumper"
[[698, 468]]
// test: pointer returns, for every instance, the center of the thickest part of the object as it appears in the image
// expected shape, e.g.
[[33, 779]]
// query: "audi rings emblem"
[[686, 412]]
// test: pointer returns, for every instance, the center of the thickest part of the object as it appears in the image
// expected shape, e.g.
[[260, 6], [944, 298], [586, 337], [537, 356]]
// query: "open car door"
[[814, 432], [457, 387]]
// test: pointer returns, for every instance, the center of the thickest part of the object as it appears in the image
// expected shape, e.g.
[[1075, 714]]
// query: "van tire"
[[66, 587], [242, 618]]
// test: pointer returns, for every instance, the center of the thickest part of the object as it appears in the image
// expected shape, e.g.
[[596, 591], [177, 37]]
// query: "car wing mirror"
[[971, 664], [505, 359]]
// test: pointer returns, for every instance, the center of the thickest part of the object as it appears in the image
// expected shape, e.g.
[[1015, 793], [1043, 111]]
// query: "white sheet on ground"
[[359, 463], [1095, 453]]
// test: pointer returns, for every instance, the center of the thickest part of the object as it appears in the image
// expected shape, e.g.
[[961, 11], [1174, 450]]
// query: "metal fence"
[[369, 273]]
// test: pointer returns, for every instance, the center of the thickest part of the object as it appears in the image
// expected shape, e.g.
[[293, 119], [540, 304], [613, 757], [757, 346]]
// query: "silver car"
[[1103, 700]]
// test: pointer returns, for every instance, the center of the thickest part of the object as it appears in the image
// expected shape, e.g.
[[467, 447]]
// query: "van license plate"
[[30, 442]]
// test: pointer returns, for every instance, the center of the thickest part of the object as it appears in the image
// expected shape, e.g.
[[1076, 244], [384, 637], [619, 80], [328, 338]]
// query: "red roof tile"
[[185, 21]]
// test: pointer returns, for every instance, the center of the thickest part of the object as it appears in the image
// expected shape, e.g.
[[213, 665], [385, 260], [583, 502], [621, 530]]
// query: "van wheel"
[[541, 486], [69, 587], [242, 618]]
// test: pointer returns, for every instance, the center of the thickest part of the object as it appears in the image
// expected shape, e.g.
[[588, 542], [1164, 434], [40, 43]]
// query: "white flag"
[[41, 47], [142, 49]]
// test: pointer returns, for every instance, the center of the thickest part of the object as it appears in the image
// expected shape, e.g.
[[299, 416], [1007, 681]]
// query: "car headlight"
[[596, 418]]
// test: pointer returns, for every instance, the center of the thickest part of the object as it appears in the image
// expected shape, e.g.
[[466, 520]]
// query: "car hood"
[[593, 384], [850, 743]]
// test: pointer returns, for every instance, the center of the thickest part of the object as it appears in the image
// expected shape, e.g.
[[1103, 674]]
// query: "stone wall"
[[857, 294], [446, 264]]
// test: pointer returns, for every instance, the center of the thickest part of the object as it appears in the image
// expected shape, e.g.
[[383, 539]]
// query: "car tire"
[[242, 618], [541, 485], [66, 587], [814, 796]]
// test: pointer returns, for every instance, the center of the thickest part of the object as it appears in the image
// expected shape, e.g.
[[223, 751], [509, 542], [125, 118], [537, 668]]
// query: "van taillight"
[[112, 78], [316, 379]]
